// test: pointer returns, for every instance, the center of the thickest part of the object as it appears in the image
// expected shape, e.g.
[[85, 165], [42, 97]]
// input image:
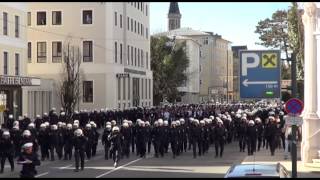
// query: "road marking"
[[42, 174], [65, 167], [118, 168]]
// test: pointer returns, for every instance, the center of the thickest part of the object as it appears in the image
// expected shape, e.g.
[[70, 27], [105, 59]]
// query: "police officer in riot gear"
[[79, 144], [6, 150], [105, 142], [220, 137]]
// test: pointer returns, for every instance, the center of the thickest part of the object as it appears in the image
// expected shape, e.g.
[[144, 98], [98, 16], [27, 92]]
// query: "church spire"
[[174, 16]]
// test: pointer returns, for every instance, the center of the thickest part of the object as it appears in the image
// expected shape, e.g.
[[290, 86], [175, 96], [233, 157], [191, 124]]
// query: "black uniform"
[[220, 137], [251, 138], [6, 151], [95, 141], [43, 139], [106, 143], [242, 135], [79, 144], [68, 136], [174, 138], [28, 169], [88, 133], [141, 141], [115, 138], [126, 141]]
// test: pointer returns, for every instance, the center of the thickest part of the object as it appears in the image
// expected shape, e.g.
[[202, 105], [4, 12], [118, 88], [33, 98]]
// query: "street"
[[134, 167]]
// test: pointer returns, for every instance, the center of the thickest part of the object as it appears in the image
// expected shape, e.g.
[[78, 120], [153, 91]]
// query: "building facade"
[[114, 44], [174, 16], [236, 70], [14, 80]]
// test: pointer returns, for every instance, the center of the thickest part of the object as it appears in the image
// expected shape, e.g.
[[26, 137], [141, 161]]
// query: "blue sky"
[[236, 22]]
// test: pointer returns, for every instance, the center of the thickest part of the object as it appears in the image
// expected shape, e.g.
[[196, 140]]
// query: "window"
[[16, 26], [124, 89], [135, 4], [29, 18], [131, 55], [138, 5], [146, 10], [5, 23], [5, 63], [141, 5], [29, 52], [17, 59], [142, 88], [41, 18], [131, 25], [41, 52], [147, 33], [135, 56], [128, 24], [138, 57], [138, 28], [56, 17], [149, 88], [142, 30], [87, 91], [87, 51], [120, 53], [56, 52], [87, 17], [147, 59], [120, 20], [146, 94], [115, 18], [119, 88], [129, 91], [142, 63], [135, 26], [128, 55], [115, 52]]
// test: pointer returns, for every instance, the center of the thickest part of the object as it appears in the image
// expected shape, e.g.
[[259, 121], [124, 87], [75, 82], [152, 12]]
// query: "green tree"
[[168, 65], [296, 36], [274, 33]]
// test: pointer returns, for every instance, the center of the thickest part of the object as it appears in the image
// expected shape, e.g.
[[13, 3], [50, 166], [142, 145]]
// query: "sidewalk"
[[264, 157]]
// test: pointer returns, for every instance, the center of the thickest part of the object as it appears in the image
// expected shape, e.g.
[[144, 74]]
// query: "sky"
[[236, 22]]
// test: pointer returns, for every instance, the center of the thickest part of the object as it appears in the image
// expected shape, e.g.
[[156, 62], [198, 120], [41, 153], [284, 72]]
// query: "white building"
[[15, 85], [114, 41]]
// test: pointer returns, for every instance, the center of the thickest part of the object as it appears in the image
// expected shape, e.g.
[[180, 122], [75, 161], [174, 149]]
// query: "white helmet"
[[59, 124], [88, 126], [6, 133], [108, 123], [113, 122], [258, 119], [147, 123], [211, 117], [75, 125], [124, 121], [38, 116], [69, 126], [115, 128], [202, 122], [26, 133], [182, 121], [54, 127], [47, 124], [31, 125], [76, 121], [78, 132], [15, 123], [62, 113], [10, 116], [94, 125], [125, 124], [16, 127], [251, 122], [108, 126], [173, 123], [42, 126], [91, 122], [45, 114], [165, 123]]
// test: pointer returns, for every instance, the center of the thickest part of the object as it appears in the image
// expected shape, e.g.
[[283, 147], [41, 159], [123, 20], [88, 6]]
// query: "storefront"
[[11, 93]]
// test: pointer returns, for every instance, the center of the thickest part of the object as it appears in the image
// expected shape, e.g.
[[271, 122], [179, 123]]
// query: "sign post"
[[260, 74], [294, 108]]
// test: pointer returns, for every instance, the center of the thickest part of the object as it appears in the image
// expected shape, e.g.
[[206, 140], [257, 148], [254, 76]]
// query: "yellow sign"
[[2, 108], [269, 60]]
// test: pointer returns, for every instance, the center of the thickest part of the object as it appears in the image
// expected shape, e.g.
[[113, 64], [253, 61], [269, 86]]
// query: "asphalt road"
[[135, 167]]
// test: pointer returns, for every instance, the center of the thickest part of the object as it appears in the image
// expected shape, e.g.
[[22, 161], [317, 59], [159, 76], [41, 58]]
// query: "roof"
[[242, 170], [174, 8], [182, 32]]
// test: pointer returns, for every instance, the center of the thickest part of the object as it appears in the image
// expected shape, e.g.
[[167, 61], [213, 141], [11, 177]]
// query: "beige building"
[[14, 82], [114, 42]]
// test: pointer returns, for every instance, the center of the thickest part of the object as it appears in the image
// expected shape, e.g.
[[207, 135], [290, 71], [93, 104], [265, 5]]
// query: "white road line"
[[66, 167], [118, 168], [42, 174]]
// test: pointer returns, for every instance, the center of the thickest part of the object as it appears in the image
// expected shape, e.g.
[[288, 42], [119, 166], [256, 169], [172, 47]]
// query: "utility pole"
[[294, 127]]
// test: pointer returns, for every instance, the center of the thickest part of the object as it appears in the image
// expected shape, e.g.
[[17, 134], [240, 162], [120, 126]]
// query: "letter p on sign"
[[246, 64]]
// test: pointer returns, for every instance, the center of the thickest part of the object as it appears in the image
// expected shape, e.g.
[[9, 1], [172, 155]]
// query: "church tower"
[[174, 16]]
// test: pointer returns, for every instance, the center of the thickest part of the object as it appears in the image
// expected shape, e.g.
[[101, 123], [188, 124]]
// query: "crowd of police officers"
[[180, 129]]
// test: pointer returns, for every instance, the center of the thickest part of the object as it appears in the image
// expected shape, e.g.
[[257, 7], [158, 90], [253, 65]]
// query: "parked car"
[[257, 171]]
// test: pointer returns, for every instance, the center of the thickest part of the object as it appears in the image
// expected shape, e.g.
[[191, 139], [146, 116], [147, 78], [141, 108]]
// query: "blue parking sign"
[[260, 74]]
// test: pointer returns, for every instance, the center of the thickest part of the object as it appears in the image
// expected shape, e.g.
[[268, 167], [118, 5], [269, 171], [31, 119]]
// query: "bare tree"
[[70, 78]]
